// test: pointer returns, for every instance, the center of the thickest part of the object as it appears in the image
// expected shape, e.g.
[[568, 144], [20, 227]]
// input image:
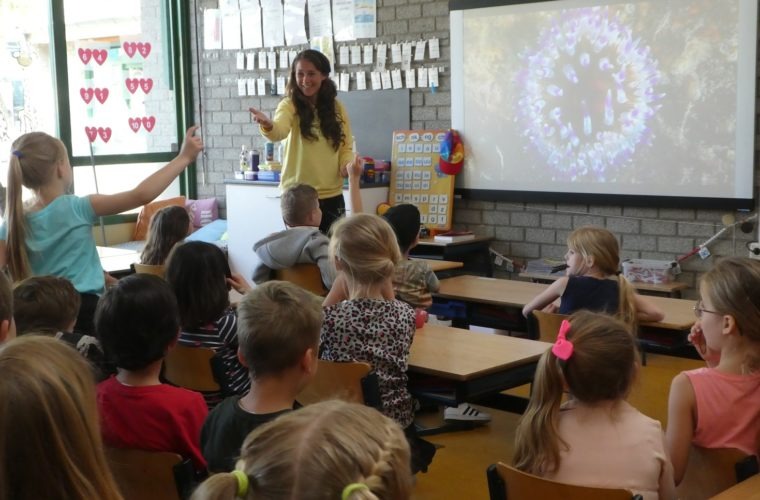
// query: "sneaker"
[[465, 412]]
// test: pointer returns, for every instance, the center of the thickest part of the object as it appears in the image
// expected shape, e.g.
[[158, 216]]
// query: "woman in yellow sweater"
[[317, 133]]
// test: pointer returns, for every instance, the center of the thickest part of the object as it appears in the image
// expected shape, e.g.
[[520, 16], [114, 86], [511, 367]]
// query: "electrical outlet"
[[754, 250]]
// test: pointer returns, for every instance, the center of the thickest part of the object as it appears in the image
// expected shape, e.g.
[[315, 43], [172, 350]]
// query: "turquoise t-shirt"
[[60, 243]]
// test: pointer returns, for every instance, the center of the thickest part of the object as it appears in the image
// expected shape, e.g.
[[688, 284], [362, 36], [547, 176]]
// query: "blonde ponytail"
[[626, 303], [18, 261], [217, 487]]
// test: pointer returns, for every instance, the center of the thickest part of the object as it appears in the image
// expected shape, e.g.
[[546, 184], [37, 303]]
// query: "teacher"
[[317, 133]]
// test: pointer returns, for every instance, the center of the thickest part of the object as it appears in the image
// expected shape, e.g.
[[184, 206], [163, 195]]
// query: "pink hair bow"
[[563, 348]]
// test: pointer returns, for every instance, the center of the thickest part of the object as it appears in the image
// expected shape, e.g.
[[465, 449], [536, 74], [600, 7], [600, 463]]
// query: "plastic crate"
[[650, 271]]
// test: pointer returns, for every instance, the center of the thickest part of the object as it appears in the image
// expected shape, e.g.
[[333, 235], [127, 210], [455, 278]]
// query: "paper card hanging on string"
[[361, 80], [343, 55], [419, 51], [212, 29], [410, 79], [344, 82], [376, 81], [241, 87], [251, 86], [250, 19], [240, 61], [386, 77], [434, 49], [368, 49], [396, 77], [320, 19], [356, 54], [250, 59], [262, 60], [395, 53], [261, 85], [382, 54], [284, 63], [271, 60], [281, 85], [343, 20], [295, 31], [433, 77], [422, 77]]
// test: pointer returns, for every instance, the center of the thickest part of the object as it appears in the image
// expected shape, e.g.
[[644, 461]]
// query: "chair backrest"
[[548, 325], [191, 368], [336, 381], [710, 471], [157, 270], [506, 482], [149, 475], [306, 276]]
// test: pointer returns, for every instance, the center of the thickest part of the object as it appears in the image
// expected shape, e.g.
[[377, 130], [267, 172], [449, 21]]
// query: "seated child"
[[302, 242], [168, 226], [281, 357], [719, 406], [49, 305], [413, 280], [7, 324], [332, 449], [137, 322], [50, 441]]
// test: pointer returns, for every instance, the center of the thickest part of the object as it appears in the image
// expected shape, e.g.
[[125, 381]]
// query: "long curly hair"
[[330, 122]]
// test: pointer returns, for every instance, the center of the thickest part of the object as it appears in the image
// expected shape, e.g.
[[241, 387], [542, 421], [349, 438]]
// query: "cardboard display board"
[[415, 177]]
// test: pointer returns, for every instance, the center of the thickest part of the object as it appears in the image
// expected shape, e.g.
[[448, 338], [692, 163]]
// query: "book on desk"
[[452, 236]]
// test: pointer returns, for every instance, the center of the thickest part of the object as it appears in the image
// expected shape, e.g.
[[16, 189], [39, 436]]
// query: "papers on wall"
[[320, 20], [272, 16], [231, 30], [361, 80], [212, 29], [250, 20], [365, 18], [343, 20], [295, 30]]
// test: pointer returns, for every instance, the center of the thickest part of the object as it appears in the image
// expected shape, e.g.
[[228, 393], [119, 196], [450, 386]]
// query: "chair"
[[157, 270], [710, 471], [192, 368], [306, 276], [150, 475], [548, 325], [506, 482], [354, 382]]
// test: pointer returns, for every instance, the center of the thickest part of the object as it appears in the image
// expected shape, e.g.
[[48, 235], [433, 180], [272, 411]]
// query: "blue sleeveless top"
[[585, 292]]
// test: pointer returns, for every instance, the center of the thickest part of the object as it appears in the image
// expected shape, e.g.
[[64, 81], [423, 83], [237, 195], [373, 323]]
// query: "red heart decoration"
[[134, 124], [149, 122], [101, 95], [92, 133], [129, 48], [132, 84], [86, 94], [85, 55], [104, 133], [143, 48], [100, 56], [146, 84]]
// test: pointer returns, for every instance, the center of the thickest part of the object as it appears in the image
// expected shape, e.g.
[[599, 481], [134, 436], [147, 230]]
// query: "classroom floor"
[[458, 470]]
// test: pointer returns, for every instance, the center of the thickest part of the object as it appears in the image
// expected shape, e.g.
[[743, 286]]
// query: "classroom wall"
[[522, 231]]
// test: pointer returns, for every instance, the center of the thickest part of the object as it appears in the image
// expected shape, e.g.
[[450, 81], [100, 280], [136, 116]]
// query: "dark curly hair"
[[330, 123]]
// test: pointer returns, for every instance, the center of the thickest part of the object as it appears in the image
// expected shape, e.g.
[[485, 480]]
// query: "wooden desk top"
[[457, 354], [433, 243], [748, 489], [679, 313], [441, 265], [668, 288]]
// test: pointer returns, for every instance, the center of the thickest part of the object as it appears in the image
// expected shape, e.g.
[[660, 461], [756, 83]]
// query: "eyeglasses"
[[699, 310]]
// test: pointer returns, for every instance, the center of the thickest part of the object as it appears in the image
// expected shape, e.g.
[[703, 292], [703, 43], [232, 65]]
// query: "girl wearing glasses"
[[719, 406]]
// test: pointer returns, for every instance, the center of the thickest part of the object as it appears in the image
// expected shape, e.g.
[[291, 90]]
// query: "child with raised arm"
[[137, 321], [368, 326], [594, 282], [719, 406], [281, 357], [596, 439], [302, 242], [333, 449], [52, 234]]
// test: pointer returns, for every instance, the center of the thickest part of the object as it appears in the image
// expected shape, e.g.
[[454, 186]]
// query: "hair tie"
[[563, 348], [17, 154], [242, 483], [351, 488]]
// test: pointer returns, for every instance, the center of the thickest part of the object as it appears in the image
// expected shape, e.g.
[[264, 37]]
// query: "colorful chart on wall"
[[416, 179]]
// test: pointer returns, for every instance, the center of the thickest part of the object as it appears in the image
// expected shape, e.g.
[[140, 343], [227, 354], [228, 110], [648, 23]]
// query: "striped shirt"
[[221, 336]]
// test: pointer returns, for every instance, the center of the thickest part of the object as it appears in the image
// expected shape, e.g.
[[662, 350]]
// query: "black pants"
[[332, 209], [86, 319]]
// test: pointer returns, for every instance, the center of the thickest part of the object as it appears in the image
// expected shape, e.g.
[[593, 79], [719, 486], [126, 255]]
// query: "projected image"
[[589, 92], [640, 97]]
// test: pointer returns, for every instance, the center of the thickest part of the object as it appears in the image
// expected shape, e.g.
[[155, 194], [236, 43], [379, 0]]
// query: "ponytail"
[[222, 486], [537, 440], [17, 258], [626, 303]]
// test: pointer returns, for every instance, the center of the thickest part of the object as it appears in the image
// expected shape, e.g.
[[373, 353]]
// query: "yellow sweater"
[[312, 162]]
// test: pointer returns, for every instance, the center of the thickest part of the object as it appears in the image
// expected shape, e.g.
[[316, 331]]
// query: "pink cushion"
[[203, 211]]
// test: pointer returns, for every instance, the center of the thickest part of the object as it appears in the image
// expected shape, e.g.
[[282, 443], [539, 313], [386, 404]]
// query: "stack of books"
[[452, 236]]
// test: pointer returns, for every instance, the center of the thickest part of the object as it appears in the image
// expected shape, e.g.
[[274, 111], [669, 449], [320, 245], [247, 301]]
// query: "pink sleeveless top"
[[728, 409]]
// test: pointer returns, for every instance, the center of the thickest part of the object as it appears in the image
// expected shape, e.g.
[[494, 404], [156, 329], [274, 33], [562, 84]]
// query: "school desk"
[[473, 253], [441, 265], [749, 489], [478, 366], [672, 289], [117, 261]]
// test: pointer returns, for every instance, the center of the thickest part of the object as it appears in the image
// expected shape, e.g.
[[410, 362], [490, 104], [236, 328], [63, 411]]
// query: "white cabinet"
[[253, 212]]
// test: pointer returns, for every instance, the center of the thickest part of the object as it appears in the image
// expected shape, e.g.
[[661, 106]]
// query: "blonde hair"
[[602, 246], [366, 247], [50, 444], [32, 165], [315, 452], [602, 368], [268, 344], [297, 202]]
